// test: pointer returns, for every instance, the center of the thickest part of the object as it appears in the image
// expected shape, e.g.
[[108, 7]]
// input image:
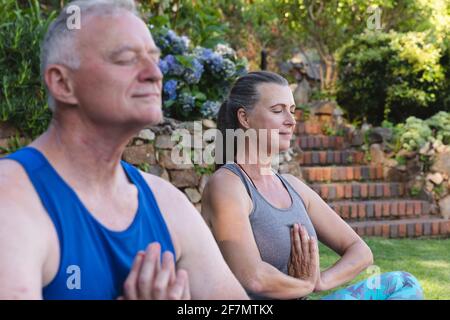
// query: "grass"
[[427, 259]]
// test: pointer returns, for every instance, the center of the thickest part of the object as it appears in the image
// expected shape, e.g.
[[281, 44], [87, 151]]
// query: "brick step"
[[404, 228], [357, 190], [380, 209], [308, 142], [342, 173], [309, 128], [330, 157]]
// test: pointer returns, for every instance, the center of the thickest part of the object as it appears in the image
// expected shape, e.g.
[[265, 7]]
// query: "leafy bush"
[[390, 76], [200, 19], [444, 98], [415, 133], [196, 79], [22, 96], [440, 123]]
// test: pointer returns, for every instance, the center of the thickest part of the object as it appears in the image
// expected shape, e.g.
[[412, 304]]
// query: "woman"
[[266, 224]]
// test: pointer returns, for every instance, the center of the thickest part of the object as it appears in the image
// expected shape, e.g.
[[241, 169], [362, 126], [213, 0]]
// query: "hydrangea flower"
[[163, 66], [174, 67], [205, 72], [225, 50], [178, 45], [170, 89], [228, 68], [187, 102], [210, 109], [194, 74]]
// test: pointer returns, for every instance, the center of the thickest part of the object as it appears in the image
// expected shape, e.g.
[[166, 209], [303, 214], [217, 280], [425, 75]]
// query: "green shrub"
[[415, 133], [390, 76], [444, 97], [440, 123], [22, 95]]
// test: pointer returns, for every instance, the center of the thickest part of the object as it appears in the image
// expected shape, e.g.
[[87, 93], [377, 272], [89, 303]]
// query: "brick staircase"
[[359, 192]]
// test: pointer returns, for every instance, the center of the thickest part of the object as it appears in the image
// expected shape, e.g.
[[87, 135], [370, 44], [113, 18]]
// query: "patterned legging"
[[397, 285]]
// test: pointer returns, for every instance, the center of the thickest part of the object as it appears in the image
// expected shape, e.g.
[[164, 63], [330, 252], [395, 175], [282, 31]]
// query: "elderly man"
[[75, 221]]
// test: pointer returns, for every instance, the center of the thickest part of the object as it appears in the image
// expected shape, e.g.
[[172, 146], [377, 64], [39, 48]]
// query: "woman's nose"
[[290, 119]]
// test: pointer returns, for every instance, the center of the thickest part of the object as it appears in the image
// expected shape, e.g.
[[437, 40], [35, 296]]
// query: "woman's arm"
[[226, 207], [336, 234]]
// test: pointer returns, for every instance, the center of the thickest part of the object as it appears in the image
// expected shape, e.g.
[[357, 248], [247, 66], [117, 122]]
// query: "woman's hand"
[[304, 260], [320, 284]]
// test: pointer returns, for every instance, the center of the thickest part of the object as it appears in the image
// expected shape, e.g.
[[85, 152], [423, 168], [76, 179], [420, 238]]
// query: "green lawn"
[[428, 260]]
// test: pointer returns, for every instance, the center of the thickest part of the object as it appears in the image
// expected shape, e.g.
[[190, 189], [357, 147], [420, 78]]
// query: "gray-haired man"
[[75, 221]]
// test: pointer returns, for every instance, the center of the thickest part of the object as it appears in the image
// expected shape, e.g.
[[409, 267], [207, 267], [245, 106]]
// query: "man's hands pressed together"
[[151, 280]]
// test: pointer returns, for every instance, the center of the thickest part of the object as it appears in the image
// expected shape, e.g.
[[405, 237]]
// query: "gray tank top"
[[271, 225]]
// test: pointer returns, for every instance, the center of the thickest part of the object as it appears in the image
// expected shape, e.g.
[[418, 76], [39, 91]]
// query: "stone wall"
[[152, 151]]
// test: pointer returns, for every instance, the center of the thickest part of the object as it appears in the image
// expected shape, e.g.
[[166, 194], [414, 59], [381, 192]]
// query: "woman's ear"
[[243, 118]]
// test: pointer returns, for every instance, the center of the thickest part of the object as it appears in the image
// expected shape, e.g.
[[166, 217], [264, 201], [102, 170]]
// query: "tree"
[[328, 25]]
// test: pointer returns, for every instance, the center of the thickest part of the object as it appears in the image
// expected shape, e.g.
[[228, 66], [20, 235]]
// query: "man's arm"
[[209, 275], [22, 242]]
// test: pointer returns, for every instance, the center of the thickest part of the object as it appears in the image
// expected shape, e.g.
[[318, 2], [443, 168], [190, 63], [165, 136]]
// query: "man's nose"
[[150, 71]]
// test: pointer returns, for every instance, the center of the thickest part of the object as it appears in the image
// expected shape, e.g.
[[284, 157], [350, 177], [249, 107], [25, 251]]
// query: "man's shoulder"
[[18, 198], [172, 202], [13, 179], [160, 186], [20, 206]]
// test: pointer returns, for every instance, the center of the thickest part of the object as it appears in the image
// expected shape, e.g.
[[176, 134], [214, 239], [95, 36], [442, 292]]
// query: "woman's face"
[[274, 112]]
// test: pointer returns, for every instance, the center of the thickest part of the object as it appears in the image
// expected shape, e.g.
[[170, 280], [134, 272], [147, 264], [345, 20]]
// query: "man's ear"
[[59, 83], [243, 118]]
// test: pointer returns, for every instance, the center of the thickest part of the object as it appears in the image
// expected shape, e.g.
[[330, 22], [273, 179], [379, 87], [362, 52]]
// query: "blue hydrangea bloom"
[[178, 45], [228, 68], [187, 102], [210, 109], [205, 54], [170, 89], [174, 68], [163, 66], [194, 73]]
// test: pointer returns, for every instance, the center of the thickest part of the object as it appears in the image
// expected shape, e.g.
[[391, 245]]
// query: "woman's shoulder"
[[224, 180], [224, 189], [300, 187]]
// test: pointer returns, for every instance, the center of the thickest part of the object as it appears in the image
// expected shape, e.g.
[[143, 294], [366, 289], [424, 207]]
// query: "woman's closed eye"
[[292, 111]]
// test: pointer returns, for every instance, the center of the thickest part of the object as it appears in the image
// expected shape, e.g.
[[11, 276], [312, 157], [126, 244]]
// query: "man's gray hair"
[[59, 46]]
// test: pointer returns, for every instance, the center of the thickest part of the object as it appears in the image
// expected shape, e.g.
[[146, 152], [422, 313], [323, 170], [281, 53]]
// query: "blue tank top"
[[94, 261]]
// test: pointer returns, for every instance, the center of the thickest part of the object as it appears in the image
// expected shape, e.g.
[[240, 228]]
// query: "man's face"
[[119, 81]]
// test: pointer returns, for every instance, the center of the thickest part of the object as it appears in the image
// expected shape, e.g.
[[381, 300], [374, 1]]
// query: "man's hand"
[[150, 280], [304, 260]]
